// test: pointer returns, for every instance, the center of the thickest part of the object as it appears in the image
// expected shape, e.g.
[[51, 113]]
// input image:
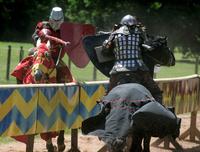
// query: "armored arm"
[[38, 34], [108, 46], [35, 35], [151, 43]]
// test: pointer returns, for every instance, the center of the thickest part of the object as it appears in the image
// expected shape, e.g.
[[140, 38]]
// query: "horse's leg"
[[49, 145], [48, 138], [128, 144], [146, 143], [136, 145], [61, 141]]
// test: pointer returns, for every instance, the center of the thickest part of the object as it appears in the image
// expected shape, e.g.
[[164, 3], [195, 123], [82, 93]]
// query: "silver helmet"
[[128, 20], [56, 18]]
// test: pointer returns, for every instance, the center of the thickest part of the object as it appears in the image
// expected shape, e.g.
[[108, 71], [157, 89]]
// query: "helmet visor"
[[55, 24]]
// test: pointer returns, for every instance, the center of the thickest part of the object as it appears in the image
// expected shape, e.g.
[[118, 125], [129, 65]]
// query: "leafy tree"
[[179, 21], [19, 17]]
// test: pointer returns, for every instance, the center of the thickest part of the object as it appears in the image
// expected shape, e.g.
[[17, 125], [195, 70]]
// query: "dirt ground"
[[92, 144]]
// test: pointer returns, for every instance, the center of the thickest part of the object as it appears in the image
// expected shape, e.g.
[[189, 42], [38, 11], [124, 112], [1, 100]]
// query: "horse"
[[129, 110], [158, 53], [40, 67]]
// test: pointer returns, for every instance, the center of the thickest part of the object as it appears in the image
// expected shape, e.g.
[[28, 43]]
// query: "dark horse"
[[160, 54], [41, 68], [116, 121], [129, 110]]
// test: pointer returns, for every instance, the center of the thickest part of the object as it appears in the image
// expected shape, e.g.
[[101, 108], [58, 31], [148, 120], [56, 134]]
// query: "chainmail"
[[127, 52]]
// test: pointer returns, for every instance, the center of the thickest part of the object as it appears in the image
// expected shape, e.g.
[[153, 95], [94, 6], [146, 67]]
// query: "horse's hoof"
[[51, 148], [61, 148]]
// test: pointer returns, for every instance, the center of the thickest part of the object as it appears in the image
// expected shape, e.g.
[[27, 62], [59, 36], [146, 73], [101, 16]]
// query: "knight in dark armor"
[[126, 44], [135, 55]]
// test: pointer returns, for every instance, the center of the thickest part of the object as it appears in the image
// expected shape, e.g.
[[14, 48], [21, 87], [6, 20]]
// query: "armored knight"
[[53, 25], [126, 44]]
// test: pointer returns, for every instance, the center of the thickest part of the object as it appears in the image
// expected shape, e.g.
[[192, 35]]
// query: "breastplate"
[[127, 47]]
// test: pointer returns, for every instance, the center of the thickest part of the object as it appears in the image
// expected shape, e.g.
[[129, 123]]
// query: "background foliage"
[[177, 19]]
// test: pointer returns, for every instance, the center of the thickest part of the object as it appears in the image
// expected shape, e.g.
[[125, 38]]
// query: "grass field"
[[182, 68]]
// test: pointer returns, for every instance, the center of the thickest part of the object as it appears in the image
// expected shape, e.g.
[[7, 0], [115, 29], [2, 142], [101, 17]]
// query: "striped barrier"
[[30, 109], [90, 93], [182, 93]]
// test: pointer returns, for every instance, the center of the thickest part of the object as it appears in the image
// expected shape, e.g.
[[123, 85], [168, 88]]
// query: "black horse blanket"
[[128, 109]]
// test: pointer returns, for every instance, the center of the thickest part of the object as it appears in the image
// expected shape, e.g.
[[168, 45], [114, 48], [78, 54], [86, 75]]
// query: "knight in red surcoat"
[[56, 18]]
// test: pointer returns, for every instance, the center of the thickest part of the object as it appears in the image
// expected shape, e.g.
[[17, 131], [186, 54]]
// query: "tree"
[[180, 22], [19, 17]]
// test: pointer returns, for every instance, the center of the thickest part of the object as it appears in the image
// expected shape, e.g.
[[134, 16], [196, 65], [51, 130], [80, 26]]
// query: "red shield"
[[74, 33]]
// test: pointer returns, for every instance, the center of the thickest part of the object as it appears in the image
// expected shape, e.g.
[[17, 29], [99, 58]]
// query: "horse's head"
[[159, 54], [39, 66], [43, 68]]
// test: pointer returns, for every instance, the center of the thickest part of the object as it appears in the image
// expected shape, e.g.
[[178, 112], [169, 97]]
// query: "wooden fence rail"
[[8, 63]]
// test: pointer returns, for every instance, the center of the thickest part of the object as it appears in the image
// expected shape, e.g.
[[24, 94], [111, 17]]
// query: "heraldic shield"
[[74, 33], [93, 48]]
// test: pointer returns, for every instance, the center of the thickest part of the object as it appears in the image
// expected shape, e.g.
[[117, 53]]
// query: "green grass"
[[15, 50], [85, 74], [179, 70]]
